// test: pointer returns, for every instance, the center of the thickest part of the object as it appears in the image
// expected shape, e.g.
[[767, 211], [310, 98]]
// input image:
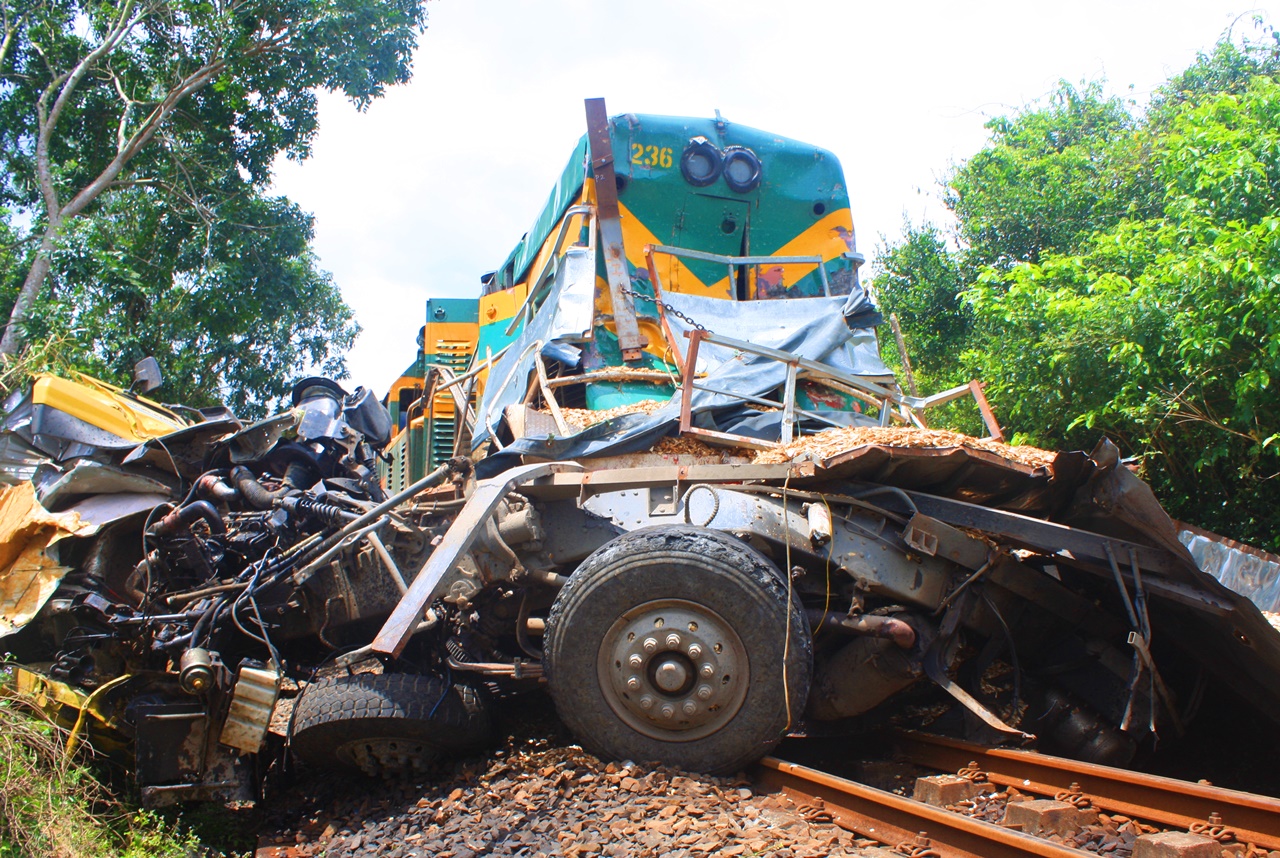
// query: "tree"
[[231, 308], [1043, 182], [920, 280], [1164, 331], [1227, 69], [1121, 276], [165, 110]]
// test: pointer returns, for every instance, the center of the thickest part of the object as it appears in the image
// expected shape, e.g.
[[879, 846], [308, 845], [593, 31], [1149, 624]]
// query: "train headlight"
[[741, 169], [701, 162]]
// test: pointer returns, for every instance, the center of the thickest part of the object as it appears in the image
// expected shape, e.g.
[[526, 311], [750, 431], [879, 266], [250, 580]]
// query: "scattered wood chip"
[[832, 442]]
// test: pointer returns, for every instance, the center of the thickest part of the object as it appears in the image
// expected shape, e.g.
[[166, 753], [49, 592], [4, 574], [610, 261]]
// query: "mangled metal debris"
[[682, 599]]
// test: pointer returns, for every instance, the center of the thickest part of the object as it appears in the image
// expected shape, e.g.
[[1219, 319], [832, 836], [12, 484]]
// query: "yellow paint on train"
[[501, 306]]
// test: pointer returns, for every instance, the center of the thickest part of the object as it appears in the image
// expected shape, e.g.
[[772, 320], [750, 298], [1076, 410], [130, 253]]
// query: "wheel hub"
[[673, 670], [672, 674]]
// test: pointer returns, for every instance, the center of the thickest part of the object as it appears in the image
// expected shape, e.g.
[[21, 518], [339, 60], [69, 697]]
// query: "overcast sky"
[[434, 183]]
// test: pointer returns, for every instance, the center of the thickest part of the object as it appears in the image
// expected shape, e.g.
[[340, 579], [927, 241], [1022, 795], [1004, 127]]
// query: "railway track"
[[910, 827], [1166, 802], [920, 830]]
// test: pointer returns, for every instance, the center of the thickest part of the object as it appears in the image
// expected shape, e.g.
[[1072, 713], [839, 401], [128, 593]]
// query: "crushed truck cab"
[[658, 469]]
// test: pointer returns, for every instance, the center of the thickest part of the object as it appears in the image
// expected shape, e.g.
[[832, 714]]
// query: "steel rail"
[[898, 822], [1164, 801]]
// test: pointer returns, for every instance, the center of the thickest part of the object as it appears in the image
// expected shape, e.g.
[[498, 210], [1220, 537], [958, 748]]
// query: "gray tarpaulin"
[[813, 328]]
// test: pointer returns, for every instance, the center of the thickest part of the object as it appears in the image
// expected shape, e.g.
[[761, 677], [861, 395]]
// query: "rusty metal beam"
[[656, 376], [609, 219], [689, 370], [607, 479], [1177, 804], [1036, 533], [400, 626], [988, 416], [894, 820]]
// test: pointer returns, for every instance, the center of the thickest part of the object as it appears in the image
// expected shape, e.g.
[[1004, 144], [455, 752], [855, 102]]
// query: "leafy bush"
[[1118, 274], [53, 806]]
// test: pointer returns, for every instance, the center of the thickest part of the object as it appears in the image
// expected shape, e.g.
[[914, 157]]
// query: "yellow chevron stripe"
[[820, 239], [673, 274]]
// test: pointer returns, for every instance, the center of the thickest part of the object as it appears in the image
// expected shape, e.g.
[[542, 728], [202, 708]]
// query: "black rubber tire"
[[410, 720], [692, 564]]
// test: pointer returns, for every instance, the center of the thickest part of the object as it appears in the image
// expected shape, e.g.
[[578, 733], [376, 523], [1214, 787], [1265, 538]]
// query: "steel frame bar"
[[609, 220], [799, 368], [1037, 533], [734, 261]]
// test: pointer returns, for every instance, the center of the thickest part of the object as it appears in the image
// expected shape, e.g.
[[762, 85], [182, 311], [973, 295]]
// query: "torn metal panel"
[[28, 576], [1248, 571], [1115, 502], [186, 450], [564, 317], [811, 328], [64, 705], [105, 509], [18, 459], [88, 477], [255, 441]]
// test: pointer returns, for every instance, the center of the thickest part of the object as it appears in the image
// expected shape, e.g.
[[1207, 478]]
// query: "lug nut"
[[695, 651], [650, 644], [704, 692], [690, 707], [636, 660], [634, 683], [707, 669], [646, 702], [668, 711], [673, 640]]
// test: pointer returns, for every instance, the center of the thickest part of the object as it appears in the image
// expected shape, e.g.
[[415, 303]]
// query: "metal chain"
[[631, 293]]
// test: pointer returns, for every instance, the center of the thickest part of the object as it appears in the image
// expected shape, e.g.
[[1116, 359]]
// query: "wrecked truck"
[[672, 484]]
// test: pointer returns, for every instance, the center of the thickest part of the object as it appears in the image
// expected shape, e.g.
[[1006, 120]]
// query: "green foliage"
[[1162, 332], [52, 805], [1121, 276], [1043, 181], [1227, 69], [232, 307], [920, 280], [147, 834], [136, 147]]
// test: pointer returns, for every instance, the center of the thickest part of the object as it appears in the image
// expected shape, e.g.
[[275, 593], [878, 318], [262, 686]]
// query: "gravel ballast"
[[538, 796]]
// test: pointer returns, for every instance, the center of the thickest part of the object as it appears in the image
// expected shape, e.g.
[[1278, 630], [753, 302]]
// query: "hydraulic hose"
[[258, 497], [181, 519], [431, 479], [869, 625], [252, 491]]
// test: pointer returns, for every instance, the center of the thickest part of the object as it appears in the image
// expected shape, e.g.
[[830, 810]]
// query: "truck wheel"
[[387, 724], [668, 645]]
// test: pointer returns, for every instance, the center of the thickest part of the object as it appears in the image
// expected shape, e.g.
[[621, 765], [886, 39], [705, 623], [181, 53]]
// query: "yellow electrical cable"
[[831, 548], [73, 738]]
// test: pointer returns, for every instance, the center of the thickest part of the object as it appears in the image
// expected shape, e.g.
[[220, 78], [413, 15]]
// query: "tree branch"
[[10, 31], [125, 110]]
